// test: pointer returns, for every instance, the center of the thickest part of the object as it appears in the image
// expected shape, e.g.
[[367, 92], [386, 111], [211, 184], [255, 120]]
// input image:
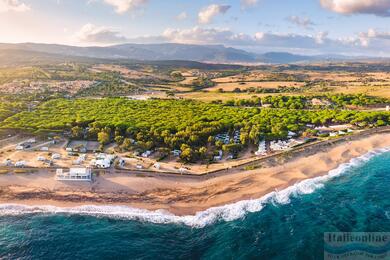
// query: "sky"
[[352, 27]]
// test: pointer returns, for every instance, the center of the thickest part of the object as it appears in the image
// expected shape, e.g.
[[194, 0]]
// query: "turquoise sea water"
[[285, 225]]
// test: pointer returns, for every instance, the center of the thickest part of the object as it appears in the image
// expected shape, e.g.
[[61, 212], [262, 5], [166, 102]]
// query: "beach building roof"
[[74, 174]]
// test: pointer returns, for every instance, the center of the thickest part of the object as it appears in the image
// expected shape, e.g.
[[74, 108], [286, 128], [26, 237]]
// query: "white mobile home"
[[20, 164], [19, 147], [56, 156], [104, 164], [103, 160], [146, 154]]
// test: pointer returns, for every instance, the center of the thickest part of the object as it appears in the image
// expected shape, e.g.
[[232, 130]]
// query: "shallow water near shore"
[[285, 224]]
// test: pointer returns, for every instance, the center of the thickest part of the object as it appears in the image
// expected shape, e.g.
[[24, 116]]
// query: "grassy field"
[[126, 79]]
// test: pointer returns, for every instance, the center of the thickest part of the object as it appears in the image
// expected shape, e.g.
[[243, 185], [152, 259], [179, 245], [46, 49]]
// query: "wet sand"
[[182, 196]]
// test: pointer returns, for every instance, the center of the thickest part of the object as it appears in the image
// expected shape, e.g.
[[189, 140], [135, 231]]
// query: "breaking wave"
[[201, 219]]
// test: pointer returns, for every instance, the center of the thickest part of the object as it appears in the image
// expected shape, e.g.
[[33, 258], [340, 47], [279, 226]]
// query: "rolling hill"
[[161, 52]]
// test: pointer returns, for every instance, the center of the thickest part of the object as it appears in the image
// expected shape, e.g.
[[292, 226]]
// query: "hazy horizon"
[[357, 28]]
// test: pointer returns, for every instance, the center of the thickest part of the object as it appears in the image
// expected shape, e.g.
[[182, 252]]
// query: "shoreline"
[[179, 196]]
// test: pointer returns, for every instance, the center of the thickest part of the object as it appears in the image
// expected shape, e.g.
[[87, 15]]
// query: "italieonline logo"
[[357, 245]]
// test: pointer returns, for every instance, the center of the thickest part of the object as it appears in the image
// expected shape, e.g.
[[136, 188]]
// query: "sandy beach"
[[182, 196]]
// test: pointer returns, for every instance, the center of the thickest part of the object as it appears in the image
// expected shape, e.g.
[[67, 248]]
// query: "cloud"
[[371, 42], [13, 6], [198, 35], [248, 3], [372, 33], [207, 14], [321, 37], [182, 16], [317, 43], [90, 33], [373, 36], [122, 6], [258, 41], [376, 7], [303, 22]]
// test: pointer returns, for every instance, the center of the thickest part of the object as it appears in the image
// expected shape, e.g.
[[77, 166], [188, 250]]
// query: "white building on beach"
[[74, 174]]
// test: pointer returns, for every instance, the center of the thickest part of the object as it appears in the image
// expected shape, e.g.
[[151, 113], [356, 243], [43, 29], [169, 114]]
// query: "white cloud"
[[198, 35], [13, 6], [207, 14], [372, 35], [90, 33], [321, 37], [303, 22], [248, 3], [122, 6], [259, 36], [316, 43], [376, 7], [182, 16]]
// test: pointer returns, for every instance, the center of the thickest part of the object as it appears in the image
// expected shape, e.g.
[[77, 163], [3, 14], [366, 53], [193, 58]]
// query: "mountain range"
[[162, 52]]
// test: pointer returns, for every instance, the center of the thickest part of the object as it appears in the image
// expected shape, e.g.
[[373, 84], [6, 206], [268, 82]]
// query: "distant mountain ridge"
[[167, 51]]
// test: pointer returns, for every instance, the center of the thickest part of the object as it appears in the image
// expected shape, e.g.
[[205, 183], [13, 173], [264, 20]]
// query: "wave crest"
[[201, 219]]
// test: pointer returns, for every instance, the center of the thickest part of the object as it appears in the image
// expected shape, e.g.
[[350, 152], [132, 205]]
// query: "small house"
[[74, 174]]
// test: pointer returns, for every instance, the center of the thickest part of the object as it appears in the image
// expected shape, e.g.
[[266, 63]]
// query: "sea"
[[285, 224]]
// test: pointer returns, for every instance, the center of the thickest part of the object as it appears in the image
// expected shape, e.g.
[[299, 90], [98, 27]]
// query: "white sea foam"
[[201, 219]]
